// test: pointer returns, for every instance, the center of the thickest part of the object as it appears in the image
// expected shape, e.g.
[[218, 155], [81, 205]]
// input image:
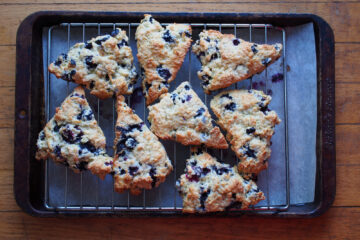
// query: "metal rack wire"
[[143, 206]]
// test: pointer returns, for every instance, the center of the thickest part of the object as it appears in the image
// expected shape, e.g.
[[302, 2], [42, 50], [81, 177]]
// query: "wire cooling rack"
[[68, 191]]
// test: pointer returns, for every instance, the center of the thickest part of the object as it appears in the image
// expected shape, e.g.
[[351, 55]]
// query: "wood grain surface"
[[342, 221]]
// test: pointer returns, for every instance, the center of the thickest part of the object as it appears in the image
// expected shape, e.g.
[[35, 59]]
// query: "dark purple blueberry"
[[109, 163], [221, 171], [167, 37], [107, 78], [122, 43], [133, 170], [99, 41], [277, 77], [205, 171], [250, 91], [192, 178], [68, 76], [78, 95], [82, 166], [203, 197], [42, 135], [199, 112], [88, 146], [151, 19], [231, 106], [187, 87], [188, 98], [64, 56], [255, 190], [188, 34], [92, 84], [201, 54], [277, 48], [193, 163], [206, 79], [266, 61], [173, 97], [250, 130], [214, 56], [226, 95], [73, 63], [122, 171], [115, 32], [58, 62], [68, 135], [163, 72], [86, 115], [236, 41], [254, 49], [207, 39], [131, 143], [153, 177], [56, 127], [90, 64], [249, 152], [263, 108], [88, 45], [57, 151]]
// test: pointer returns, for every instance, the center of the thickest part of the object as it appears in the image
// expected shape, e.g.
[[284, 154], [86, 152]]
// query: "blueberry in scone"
[[181, 116], [210, 186], [249, 123], [103, 64], [140, 160], [226, 59], [161, 53], [73, 138]]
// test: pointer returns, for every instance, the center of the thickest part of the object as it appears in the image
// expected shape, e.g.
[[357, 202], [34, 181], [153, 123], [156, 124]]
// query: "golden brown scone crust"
[[226, 59], [140, 160], [249, 123], [181, 116], [103, 64], [210, 186], [161, 53], [73, 138]]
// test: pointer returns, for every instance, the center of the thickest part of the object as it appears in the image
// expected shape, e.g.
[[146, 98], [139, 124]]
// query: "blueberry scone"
[[249, 123], [161, 53], [226, 59], [210, 186], [140, 160], [104, 65], [73, 138], [181, 116]]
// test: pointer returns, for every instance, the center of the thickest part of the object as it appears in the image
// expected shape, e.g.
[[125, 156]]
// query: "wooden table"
[[341, 221]]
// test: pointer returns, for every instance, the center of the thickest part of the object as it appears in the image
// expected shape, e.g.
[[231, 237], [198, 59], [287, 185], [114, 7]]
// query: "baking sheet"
[[65, 188]]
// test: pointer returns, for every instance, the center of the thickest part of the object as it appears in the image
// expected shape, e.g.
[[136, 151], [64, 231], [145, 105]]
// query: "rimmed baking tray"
[[36, 184]]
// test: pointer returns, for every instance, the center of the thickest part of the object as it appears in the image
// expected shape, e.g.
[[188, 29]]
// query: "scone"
[[73, 138], [140, 160], [210, 186], [181, 116], [104, 65], [161, 53], [249, 123], [226, 59]]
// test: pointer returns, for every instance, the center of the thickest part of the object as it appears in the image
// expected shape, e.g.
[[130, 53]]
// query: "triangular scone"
[[140, 160], [249, 123], [226, 59], [161, 53], [210, 186], [104, 65], [181, 116], [72, 137]]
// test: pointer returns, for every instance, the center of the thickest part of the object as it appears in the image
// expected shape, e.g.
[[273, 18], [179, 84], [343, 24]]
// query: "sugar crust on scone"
[[103, 64], [181, 116], [226, 59], [73, 138], [161, 52], [140, 160], [249, 123]]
